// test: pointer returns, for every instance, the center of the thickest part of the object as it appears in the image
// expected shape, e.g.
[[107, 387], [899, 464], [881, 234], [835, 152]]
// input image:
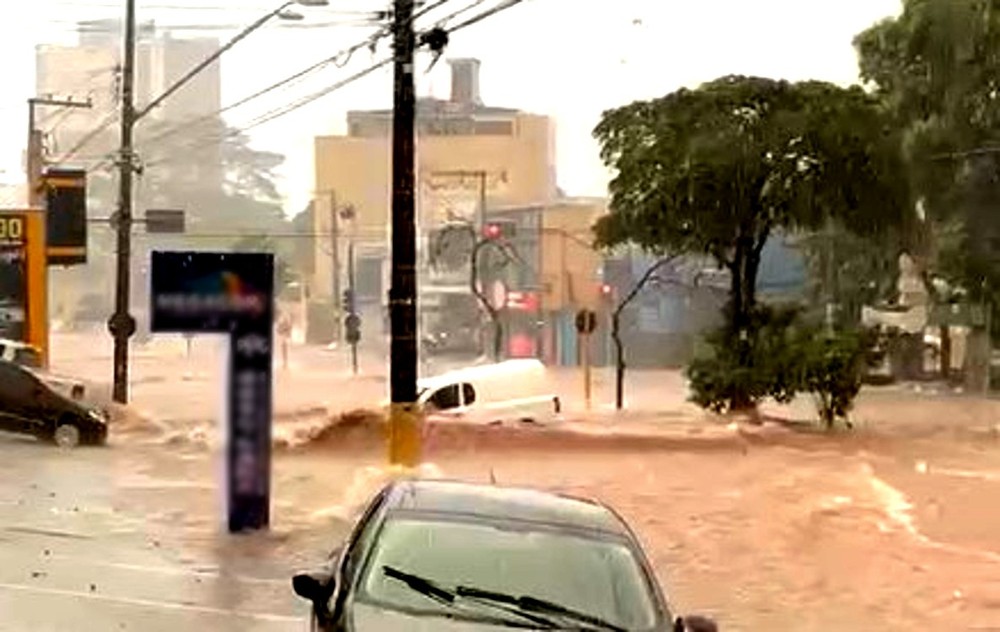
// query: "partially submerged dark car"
[[30, 406], [441, 555]]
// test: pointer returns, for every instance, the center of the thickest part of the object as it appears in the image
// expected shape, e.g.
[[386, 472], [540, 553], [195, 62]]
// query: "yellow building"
[[467, 153]]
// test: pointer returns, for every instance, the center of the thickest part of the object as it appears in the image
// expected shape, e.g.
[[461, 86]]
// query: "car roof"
[[497, 502]]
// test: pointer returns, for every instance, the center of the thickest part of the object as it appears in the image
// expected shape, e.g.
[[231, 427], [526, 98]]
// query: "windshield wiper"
[[421, 585], [442, 595], [534, 604]]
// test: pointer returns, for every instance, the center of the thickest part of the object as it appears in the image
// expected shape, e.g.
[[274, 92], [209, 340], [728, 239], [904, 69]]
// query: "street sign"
[[164, 221], [586, 321], [230, 293]]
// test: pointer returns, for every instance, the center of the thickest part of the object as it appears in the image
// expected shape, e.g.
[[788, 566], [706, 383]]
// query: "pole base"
[[405, 434]]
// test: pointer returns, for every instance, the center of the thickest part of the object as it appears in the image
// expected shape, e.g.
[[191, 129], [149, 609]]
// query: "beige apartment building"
[[466, 151]]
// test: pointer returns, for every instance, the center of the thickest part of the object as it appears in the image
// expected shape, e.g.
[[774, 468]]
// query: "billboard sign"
[[229, 293], [13, 276]]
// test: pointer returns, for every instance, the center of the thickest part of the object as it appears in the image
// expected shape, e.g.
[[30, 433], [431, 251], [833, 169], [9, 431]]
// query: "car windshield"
[[594, 575]]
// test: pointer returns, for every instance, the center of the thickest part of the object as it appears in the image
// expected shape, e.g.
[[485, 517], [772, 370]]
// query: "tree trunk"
[[497, 337], [619, 360], [746, 263], [945, 355]]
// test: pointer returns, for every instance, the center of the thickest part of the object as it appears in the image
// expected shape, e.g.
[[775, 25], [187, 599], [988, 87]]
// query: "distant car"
[[440, 555], [30, 406], [29, 357]]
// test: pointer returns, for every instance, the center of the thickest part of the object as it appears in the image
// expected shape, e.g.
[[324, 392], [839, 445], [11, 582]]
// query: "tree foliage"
[[788, 355], [937, 68], [716, 169], [225, 186]]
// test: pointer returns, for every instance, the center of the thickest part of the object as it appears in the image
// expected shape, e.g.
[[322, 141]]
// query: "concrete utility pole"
[[405, 415], [121, 325], [35, 160]]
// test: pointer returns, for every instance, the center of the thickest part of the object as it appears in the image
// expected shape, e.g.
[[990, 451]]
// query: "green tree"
[[225, 185], [852, 270], [937, 69], [715, 170]]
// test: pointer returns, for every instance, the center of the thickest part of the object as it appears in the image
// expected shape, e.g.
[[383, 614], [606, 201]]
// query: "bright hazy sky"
[[570, 59]]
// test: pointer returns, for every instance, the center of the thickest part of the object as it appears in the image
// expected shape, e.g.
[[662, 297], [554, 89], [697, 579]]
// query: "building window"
[[493, 128]]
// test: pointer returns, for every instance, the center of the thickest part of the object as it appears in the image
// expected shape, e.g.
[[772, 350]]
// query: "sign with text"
[[230, 293], [13, 277]]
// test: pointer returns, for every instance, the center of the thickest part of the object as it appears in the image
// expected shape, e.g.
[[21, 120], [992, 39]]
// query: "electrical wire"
[[303, 101], [278, 112], [89, 137], [503, 6], [345, 55], [454, 14]]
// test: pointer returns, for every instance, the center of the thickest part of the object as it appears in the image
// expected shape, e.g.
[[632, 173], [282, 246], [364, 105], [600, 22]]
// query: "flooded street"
[[803, 533]]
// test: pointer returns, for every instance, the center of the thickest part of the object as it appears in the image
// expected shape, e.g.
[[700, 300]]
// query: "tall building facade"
[[91, 69]]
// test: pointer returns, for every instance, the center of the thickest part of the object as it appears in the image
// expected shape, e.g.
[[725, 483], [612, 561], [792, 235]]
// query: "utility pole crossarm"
[[35, 160]]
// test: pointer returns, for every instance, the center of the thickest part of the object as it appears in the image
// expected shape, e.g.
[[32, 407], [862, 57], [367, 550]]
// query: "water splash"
[[367, 482]]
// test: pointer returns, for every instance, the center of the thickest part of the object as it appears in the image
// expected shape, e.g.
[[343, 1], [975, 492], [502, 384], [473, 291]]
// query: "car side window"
[[16, 381], [468, 394], [445, 398]]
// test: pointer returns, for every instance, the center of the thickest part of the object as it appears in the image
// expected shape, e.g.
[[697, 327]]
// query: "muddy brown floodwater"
[[815, 534]]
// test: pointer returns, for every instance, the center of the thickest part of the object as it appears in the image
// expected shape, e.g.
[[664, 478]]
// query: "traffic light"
[[66, 215], [347, 301], [352, 325], [500, 229]]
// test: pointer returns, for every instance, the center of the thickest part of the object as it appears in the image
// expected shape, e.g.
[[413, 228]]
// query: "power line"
[[344, 55], [506, 4], [90, 136], [455, 14], [278, 112]]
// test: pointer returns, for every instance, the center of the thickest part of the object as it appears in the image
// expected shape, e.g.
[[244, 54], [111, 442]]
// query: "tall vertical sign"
[[229, 293]]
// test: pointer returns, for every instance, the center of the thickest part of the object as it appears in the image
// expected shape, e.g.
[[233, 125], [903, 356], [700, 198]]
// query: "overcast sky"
[[570, 59]]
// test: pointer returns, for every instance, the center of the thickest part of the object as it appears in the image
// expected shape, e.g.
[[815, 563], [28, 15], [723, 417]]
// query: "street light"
[[122, 325]]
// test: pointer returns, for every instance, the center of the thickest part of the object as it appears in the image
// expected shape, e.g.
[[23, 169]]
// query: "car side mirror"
[[695, 623], [315, 587]]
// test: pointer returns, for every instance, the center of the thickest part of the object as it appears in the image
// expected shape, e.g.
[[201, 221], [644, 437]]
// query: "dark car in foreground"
[[441, 555], [30, 406]]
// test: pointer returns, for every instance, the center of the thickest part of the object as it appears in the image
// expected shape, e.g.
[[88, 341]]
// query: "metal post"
[[350, 285], [35, 164], [404, 420], [122, 324], [482, 201], [34, 159], [585, 355], [339, 309]]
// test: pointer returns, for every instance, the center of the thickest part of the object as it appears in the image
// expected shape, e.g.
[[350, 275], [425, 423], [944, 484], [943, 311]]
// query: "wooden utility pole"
[[405, 415]]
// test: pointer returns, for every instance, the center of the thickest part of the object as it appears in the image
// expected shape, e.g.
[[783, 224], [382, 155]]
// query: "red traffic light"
[[492, 231]]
